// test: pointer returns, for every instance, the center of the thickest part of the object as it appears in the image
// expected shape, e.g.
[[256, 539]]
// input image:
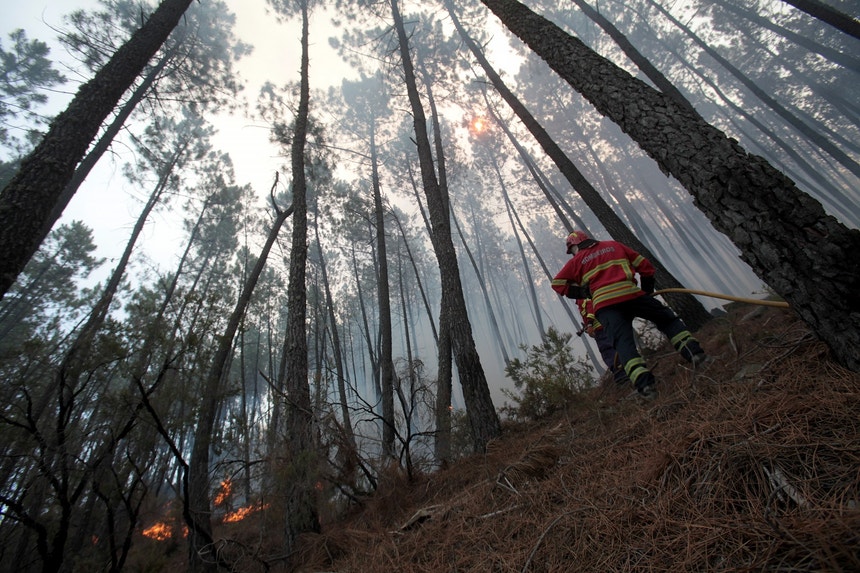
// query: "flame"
[[159, 531], [224, 492], [243, 512]]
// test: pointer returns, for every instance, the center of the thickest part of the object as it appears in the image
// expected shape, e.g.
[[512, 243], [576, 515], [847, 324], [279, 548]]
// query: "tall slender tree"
[[368, 101], [655, 75], [483, 418], [301, 475], [194, 63], [847, 60], [349, 446], [813, 134], [828, 14], [28, 200], [199, 504]]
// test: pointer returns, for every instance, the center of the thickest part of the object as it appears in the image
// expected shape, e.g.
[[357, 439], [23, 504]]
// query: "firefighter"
[[604, 271]]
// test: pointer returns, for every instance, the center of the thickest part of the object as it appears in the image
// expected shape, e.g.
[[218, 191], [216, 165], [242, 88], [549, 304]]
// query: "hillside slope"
[[750, 465]]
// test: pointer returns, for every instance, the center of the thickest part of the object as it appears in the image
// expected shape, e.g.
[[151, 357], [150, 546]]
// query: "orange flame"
[[243, 512], [224, 492], [159, 531]]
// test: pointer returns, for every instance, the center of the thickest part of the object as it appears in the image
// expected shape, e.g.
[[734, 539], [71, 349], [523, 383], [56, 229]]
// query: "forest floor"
[[750, 464]]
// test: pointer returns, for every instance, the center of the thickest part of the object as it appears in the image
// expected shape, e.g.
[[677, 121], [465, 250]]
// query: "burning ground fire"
[[243, 512], [160, 531], [224, 492], [164, 530]]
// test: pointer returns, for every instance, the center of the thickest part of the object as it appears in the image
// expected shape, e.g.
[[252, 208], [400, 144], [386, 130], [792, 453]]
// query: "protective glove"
[[648, 284], [577, 291]]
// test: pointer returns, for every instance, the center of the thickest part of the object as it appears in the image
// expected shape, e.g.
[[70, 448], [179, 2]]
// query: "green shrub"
[[547, 379]]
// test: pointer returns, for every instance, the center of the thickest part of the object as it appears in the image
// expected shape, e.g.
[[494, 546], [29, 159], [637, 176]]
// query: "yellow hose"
[[776, 303]]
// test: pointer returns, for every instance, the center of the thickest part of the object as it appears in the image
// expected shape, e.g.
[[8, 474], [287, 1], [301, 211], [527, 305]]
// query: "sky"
[[106, 201]]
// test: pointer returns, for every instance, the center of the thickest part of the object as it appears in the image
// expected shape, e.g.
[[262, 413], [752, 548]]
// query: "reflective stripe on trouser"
[[686, 345], [617, 320], [638, 372], [619, 328]]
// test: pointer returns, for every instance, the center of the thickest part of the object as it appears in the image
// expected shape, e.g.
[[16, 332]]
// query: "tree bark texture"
[[28, 200], [655, 75], [805, 255], [301, 471], [825, 13], [476, 393], [821, 140], [386, 359]]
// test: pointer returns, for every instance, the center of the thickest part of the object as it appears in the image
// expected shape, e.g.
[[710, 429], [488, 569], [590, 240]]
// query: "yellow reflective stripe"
[[623, 263], [681, 339], [613, 291], [559, 282], [635, 367]]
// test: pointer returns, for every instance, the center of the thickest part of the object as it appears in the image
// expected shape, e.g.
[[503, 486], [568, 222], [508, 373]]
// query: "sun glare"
[[478, 125]]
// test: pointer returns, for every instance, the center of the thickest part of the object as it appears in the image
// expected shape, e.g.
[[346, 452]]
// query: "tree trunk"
[[835, 56], [417, 277], [386, 360], [28, 200], [494, 324], [828, 14], [530, 283], [442, 443], [476, 393], [806, 256], [348, 432], [814, 136], [301, 471], [443, 406], [647, 68], [89, 162]]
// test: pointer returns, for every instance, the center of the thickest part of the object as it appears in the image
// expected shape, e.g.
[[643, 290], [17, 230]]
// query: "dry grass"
[[752, 464]]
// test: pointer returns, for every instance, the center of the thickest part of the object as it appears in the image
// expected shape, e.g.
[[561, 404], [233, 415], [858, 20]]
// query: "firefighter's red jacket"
[[608, 268]]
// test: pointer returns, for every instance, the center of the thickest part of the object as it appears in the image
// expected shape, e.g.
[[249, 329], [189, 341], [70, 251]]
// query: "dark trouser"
[[617, 320], [609, 355]]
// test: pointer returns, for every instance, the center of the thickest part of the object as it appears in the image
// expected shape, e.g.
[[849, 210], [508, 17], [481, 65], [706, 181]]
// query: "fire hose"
[[776, 303]]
